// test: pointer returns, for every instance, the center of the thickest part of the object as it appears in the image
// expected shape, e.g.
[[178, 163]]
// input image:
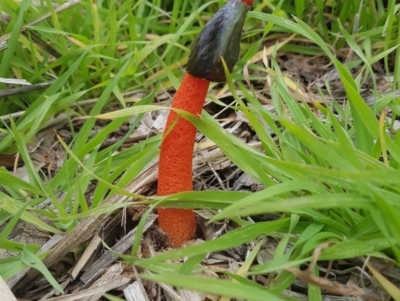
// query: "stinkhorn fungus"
[[220, 38]]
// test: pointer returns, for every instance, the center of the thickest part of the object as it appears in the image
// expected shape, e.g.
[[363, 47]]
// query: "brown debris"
[[348, 289], [87, 270]]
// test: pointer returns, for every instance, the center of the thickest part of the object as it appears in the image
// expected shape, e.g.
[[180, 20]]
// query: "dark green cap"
[[220, 38]]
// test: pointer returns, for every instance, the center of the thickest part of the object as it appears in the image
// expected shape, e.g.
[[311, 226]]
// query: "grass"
[[332, 167]]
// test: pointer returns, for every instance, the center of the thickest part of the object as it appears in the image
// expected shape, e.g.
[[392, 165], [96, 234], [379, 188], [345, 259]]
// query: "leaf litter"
[[213, 171], [87, 271]]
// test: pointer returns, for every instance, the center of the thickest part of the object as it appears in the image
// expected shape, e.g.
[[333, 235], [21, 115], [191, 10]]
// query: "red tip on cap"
[[248, 2]]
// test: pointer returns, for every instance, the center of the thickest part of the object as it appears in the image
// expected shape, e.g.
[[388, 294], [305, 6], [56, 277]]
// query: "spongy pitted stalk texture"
[[175, 166]]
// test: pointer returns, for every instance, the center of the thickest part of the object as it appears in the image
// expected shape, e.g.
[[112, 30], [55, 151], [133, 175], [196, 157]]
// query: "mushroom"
[[220, 38]]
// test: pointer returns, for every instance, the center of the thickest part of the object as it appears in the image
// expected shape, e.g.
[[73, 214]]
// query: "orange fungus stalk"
[[219, 38], [175, 167]]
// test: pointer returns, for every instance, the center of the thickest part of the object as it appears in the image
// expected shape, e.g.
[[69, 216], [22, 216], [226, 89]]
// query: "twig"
[[26, 89]]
